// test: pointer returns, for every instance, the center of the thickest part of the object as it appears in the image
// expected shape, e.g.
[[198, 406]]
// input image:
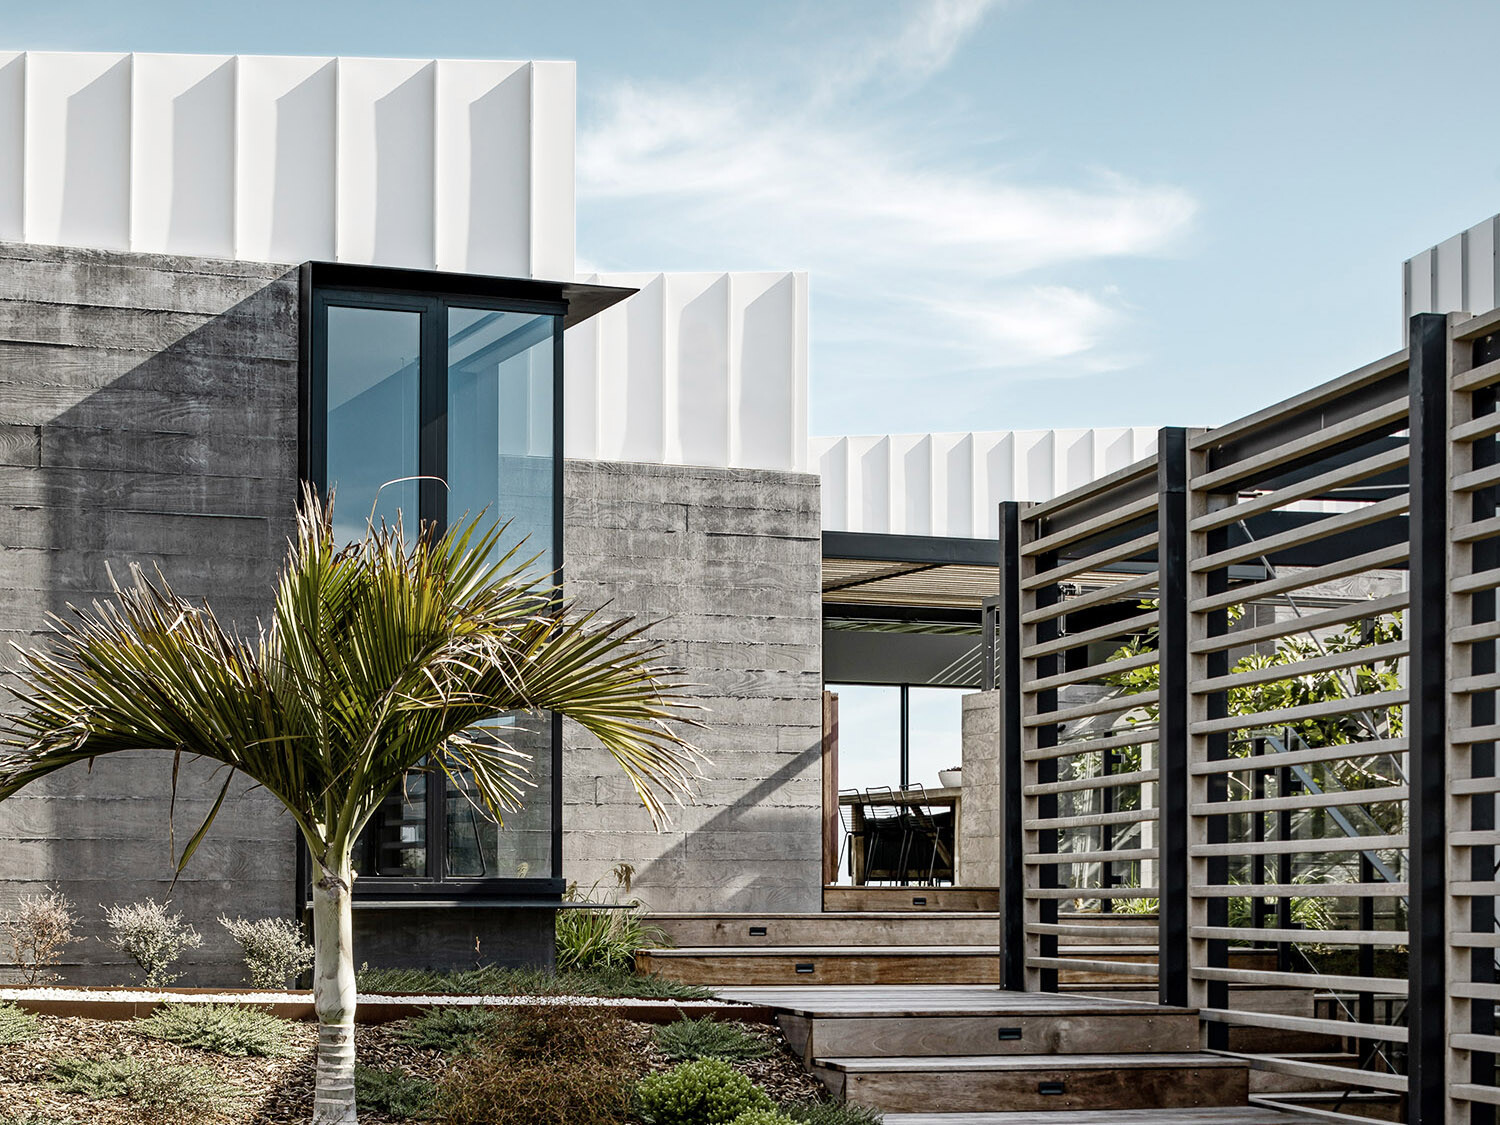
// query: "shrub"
[[446, 1029], [831, 1113], [273, 949], [226, 1029], [166, 1094], [705, 1092], [709, 1038], [151, 937], [35, 1119], [392, 1091], [17, 1025], [545, 1065], [39, 929], [764, 1117]]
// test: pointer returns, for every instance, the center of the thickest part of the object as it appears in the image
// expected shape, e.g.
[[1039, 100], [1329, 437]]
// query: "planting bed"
[[279, 1090]]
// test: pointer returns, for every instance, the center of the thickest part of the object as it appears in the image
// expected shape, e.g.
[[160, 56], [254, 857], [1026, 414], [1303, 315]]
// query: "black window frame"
[[430, 294]]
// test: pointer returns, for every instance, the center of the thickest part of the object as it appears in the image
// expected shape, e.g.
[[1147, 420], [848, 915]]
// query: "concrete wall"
[[727, 562], [148, 411], [979, 824]]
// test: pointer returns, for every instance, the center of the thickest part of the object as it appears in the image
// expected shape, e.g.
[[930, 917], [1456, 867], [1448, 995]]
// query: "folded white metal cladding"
[[432, 164], [1459, 274], [952, 484], [695, 369]]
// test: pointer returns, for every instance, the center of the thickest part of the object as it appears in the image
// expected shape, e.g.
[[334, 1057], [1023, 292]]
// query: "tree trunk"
[[334, 996]]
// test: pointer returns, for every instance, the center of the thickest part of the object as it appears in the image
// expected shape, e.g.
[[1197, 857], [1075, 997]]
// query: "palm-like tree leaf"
[[381, 657]]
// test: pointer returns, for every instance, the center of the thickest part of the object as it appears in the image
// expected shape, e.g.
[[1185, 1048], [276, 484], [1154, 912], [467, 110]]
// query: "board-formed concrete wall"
[[148, 413], [727, 562]]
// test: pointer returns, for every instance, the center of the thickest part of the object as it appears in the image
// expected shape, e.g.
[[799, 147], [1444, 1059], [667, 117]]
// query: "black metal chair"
[[885, 836], [923, 837]]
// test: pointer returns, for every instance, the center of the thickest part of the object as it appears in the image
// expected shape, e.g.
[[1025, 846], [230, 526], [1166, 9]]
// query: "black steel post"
[[1426, 718], [1007, 666], [1172, 731]]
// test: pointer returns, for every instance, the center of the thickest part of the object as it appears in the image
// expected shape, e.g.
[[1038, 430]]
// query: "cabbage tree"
[[381, 657]]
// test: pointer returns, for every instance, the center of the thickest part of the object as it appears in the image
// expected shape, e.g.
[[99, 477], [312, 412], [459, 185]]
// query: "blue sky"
[[1029, 213]]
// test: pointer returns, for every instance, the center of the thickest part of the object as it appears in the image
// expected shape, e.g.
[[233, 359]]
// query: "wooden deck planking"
[[1210, 1115], [815, 1001]]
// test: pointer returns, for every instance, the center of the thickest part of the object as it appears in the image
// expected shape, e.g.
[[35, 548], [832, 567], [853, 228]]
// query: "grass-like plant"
[[496, 981], [17, 1025], [604, 938], [225, 1029], [393, 1092], [164, 1094], [710, 1039], [449, 1030]]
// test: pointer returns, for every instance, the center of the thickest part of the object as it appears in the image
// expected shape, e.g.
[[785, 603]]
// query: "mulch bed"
[[279, 1091]]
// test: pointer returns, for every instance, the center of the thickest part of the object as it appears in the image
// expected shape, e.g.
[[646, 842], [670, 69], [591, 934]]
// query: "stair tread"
[[914, 1001], [992, 1063], [833, 915]]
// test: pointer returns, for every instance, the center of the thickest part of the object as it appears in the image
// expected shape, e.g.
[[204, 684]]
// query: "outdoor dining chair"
[[885, 835]]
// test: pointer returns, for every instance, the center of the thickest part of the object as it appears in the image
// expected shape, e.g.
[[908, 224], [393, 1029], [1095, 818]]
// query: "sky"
[[1014, 213]]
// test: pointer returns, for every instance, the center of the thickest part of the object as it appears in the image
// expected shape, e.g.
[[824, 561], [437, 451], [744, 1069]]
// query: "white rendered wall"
[[431, 164], [952, 484], [1460, 274], [695, 369]]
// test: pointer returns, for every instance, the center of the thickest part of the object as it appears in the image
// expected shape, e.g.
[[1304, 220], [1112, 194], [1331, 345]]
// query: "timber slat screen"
[[1472, 682], [1296, 556], [1088, 619]]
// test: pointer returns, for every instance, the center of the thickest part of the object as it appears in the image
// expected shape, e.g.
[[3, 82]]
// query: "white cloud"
[[878, 211]]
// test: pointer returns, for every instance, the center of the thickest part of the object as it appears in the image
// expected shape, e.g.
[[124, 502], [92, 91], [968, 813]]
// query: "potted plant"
[[951, 778]]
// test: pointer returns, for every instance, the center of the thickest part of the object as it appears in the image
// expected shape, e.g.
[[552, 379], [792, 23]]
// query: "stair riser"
[[814, 931], [938, 1036], [904, 898], [1130, 1088], [741, 971]]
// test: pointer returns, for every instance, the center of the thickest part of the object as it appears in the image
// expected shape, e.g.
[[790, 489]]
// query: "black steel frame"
[[430, 295]]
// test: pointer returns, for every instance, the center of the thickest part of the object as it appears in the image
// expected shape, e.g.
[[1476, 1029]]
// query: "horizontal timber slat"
[[1242, 638]]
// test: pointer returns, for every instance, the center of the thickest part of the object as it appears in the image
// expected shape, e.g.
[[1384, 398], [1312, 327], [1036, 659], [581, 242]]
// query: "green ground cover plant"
[[703, 1092], [163, 1094], [392, 1091], [450, 1030], [494, 980], [226, 1029], [709, 1038], [542, 1065], [16, 1024], [764, 1117]]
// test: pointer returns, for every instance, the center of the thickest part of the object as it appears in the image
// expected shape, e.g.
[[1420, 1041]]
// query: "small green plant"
[[605, 937], [710, 1039], [17, 1025], [831, 1113], [151, 937], [764, 1117], [165, 1094], [392, 1091], [39, 929], [450, 1030], [705, 1092], [273, 948], [226, 1029], [35, 1119], [541, 1065]]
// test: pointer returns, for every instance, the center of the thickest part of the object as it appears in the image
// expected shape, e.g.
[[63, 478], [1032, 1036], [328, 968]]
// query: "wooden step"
[[839, 899], [1038, 1029], [843, 928], [976, 1084], [740, 966]]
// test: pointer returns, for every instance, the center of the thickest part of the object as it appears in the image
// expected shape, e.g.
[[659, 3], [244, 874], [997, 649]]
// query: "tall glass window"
[[461, 393]]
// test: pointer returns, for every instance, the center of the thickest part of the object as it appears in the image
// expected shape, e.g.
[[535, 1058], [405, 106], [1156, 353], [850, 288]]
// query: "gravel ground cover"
[[272, 1091]]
